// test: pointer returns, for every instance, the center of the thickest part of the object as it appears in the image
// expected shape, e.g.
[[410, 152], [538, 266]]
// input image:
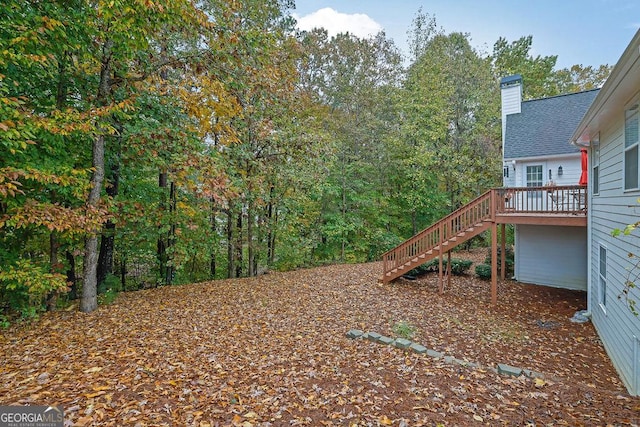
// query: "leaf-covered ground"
[[272, 351]]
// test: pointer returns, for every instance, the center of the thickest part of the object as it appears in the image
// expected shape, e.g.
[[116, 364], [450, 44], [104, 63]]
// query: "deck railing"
[[560, 199]]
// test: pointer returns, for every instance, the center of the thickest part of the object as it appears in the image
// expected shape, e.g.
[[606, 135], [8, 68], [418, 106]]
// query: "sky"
[[587, 32]]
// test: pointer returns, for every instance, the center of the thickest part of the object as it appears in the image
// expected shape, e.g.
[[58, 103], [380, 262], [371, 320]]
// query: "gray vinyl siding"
[[551, 256], [613, 208]]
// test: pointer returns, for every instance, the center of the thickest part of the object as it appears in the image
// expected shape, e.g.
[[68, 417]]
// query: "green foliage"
[[459, 267], [110, 284], [483, 271], [4, 322], [404, 329], [633, 272], [509, 259], [107, 297], [24, 286], [537, 72]]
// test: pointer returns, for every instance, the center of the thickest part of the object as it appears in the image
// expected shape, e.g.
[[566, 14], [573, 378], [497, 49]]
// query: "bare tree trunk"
[[272, 222], [212, 263], [230, 245], [344, 218], [54, 245], [251, 249], [162, 244], [107, 240], [71, 275], [171, 238], [123, 272], [239, 244], [89, 300]]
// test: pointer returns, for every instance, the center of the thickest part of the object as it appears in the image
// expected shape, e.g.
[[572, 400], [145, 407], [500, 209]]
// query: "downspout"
[[591, 291]]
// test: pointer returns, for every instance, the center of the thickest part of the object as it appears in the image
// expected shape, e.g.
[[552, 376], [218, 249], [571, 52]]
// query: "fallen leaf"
[[385, 421]]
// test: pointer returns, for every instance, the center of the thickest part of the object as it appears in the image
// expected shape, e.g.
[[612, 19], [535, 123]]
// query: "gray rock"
[[373, 336], [385, 340], [433, 353], [512, 371], [460, 362], [354, 333], [581, 316], [401, 343], [418, 348]]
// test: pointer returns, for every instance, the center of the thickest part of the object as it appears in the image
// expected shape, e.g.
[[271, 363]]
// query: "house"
[[609, 130], [537, 153]]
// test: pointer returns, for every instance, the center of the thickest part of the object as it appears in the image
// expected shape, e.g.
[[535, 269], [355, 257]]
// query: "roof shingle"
[[544, 127]]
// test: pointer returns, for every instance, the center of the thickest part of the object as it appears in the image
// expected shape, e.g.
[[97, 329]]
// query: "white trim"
[[541, 158], [601, 303], [595, 163], [631, 110]]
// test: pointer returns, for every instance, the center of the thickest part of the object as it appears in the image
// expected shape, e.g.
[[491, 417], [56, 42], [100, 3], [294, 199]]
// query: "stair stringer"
[[449, 232], [435, 252]]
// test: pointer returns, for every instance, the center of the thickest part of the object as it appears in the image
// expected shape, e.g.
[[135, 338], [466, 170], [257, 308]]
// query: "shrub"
[[404, 329], [24, 287], [458, 267], [509, 260], [483, 271]]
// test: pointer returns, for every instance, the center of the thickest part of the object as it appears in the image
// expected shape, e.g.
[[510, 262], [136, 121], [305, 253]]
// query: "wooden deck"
[[557, 205]]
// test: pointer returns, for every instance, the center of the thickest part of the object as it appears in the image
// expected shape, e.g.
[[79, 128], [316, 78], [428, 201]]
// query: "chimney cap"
[[510, 80]]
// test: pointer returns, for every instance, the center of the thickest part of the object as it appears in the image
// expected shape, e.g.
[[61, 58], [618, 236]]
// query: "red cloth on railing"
[[585, 162]]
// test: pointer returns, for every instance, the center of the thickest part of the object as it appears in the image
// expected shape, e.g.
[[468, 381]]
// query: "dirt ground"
[[272, 351]]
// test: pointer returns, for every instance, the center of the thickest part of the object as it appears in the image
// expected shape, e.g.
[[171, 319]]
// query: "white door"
[[534, 174]]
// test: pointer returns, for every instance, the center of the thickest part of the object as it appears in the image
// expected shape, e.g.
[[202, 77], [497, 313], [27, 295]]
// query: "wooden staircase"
[[452, 230]]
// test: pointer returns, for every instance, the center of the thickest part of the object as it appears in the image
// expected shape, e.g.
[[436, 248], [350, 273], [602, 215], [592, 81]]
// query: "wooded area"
[[147, 143]]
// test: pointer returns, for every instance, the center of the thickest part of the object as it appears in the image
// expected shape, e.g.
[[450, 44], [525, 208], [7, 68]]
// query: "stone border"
[[405, 344]]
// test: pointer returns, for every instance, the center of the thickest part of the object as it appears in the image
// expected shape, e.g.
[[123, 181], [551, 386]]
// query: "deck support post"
[[494, 264], [440, 250], [448, 269], [503, 251]]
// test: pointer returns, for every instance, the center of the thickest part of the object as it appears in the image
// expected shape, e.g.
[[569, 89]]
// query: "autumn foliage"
[[147, 143]]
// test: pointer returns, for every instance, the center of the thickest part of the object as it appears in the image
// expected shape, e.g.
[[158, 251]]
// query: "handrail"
[[473, 213]]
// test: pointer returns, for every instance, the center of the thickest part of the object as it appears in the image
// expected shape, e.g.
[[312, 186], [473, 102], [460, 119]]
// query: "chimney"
[[511, 94]]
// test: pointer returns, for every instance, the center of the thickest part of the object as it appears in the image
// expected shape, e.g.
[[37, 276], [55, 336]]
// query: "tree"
[[42, 179], [579, 78], [537, 72], [356, 80], [451, 125]]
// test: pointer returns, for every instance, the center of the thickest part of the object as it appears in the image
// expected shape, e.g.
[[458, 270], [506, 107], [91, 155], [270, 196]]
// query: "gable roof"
[[544, 126], [619, 89]]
